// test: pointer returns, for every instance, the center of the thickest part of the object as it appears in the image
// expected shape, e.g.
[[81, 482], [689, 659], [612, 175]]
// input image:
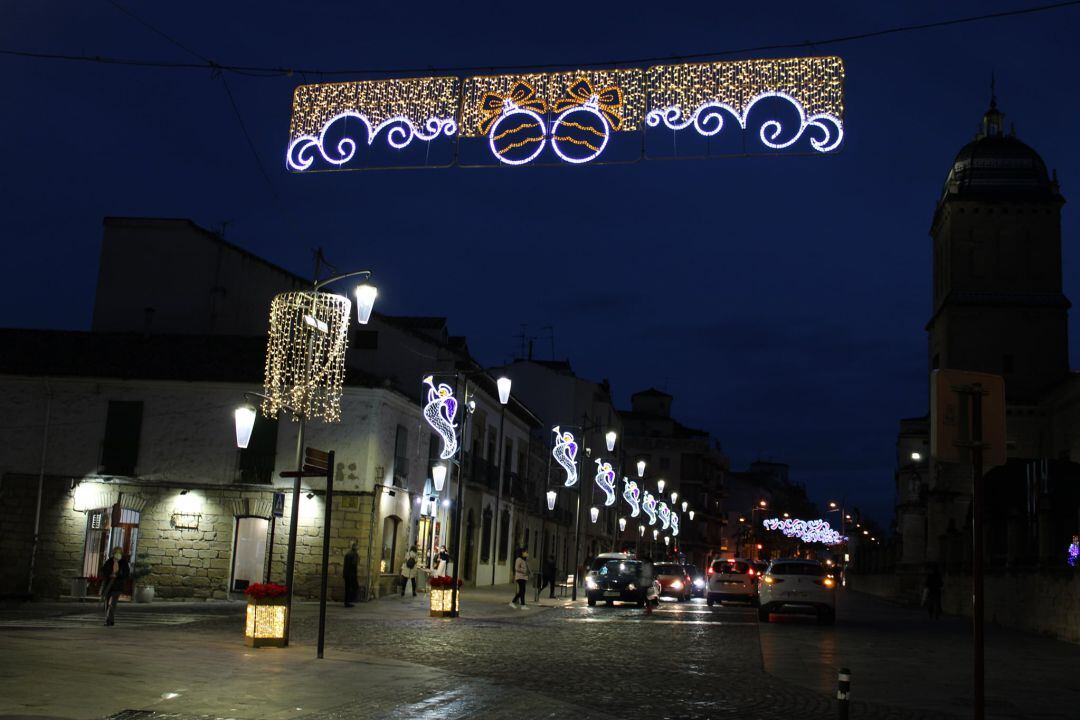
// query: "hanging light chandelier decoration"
[[305, 355]]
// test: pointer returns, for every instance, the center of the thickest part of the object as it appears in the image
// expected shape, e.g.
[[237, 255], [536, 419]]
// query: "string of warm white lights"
[[305, 355]]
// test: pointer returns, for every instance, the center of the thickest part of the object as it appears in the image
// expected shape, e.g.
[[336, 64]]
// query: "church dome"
[[999, 165]]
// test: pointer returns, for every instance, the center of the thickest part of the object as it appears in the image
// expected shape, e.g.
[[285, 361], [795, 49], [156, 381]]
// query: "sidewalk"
[[897, 656]]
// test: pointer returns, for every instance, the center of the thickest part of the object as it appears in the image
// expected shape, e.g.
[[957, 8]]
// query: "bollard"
[[843, 689]]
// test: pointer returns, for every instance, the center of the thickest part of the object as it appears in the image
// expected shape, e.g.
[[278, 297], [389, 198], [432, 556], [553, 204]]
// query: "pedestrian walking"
[[348, 571], [442, 558], [932, 593], [521, 577], [548, 576], [114, 573], [408, 571]]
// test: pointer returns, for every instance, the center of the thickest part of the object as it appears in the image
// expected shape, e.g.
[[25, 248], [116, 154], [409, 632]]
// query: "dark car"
[[614, 578], [674, 580], [698, 583]]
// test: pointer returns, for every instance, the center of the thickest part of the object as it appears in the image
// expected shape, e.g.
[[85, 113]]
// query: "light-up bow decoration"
[[632, 495], [440, 411], [818, 531], [648, 504], [674, 523], [605, 478], [665, 514], [565, 453]]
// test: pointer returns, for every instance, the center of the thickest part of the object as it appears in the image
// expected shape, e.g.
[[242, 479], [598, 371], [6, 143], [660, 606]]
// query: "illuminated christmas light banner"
[[818, 531], [577, 117]]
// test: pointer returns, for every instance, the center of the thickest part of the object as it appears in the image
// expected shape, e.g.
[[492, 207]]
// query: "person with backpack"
[[521, 577], [408, 571]]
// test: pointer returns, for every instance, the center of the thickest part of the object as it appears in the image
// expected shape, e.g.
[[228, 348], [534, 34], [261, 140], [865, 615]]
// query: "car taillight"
[[829, 582], [710, 571], [751, 572]]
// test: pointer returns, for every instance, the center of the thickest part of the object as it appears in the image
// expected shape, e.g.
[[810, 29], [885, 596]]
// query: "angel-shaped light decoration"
[[648, 504], [675, 524], [632, 495], [664, 512], [605, 478], [440, 411], [565, 453]]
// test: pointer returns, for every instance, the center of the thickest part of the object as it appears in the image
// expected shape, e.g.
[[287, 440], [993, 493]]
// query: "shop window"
[[387, 562], [249, 552], [120, 447]]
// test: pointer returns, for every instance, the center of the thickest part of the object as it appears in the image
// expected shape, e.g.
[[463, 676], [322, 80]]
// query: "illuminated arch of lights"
[[816, 531]]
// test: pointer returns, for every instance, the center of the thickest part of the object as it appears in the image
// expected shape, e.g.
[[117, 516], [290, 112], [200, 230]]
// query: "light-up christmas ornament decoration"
[[565, 454], [674, 523], [632, 495], [514, 123], [605, 479], [1073, 553], [664, 513], [305, 355], [811, 531], [648, 504], [586, 118], [439, 412]]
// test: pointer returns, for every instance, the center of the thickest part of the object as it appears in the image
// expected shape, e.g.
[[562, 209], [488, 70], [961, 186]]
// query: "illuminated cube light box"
[[266, 623], [573, 117]]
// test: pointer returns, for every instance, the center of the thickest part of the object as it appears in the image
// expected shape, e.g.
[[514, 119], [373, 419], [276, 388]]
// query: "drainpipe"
[[40, 487], [371, 537]]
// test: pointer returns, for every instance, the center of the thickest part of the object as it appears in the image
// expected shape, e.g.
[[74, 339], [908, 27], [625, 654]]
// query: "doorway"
[[108, 528], [249, 552]]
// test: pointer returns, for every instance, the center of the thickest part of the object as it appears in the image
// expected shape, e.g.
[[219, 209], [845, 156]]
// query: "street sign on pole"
[[279, 505], [951, 421]]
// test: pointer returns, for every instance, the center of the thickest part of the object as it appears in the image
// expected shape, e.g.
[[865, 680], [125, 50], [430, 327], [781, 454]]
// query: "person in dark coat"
[[548, 571], [348, 570], [114, 573]]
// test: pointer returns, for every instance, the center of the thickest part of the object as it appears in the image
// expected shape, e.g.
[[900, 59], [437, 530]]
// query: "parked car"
[[616, 577], [798, 586], [732, 579], [759, 568], [674, 580], [697, 580]]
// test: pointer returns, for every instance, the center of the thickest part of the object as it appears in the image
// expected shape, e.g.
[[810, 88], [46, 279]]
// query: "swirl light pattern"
[[401, 131], [664, 513], [439, 412], [565, 454], [632, 495], [605, 479], [648, 504], [675, 524], [811, 531]]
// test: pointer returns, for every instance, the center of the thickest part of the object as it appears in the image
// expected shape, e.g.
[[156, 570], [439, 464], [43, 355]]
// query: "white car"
[[732, 579], [798, 586]]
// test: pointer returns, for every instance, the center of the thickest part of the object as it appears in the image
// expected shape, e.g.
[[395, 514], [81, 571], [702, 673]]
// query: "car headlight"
[[631, 586], [699, 583], [676, 585], [829, 582], [590, 583]]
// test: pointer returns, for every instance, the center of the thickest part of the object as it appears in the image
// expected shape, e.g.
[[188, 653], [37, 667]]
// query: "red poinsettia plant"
[[444, 581], [264, 591]]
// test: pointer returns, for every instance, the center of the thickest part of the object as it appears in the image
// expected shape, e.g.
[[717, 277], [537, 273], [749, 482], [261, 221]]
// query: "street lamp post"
[[504, 384]]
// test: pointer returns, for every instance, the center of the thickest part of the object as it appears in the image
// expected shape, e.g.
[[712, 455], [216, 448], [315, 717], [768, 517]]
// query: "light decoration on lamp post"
[[632, 495], [648, 504], [305, 355], [594, 513], [664, 513], [438, 476], [610, 438], [605, 480], [244, 417], [1072, 555], [674, 524], [440, 410], [551, 494], [565, 454], [810, 531]]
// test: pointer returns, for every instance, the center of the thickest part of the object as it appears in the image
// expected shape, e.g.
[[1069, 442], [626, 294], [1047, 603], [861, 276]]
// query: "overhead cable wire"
[[281, 71]]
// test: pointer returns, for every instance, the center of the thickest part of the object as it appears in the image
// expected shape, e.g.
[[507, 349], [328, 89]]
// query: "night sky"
[[780, 300]]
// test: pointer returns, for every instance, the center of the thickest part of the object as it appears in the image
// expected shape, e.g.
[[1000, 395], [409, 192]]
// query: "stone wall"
[[185, 562], [1046, 602]]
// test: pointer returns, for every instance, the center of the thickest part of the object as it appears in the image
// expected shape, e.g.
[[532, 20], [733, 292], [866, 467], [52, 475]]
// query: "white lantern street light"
[[685, 505], [594, 513], [641, 468], [504, 389], [916, 456], [660, 485], [667, 540], [641, 530], [438, 476], [610, 437], [245, 422], [551, 499], [622, 524], [655, 534], [674, 497], [365, 300], [691, 514]]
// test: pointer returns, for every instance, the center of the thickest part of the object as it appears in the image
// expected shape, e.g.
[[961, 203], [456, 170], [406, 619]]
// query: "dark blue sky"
[[781, 300]]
